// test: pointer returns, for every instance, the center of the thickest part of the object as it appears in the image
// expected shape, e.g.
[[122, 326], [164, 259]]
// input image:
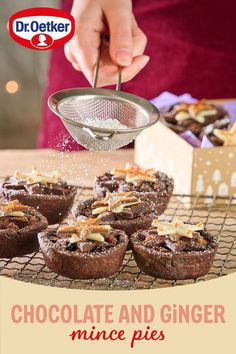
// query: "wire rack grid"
[[218, 214]]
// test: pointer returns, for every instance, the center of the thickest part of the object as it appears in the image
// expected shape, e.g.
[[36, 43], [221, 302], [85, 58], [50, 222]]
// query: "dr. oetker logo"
[[41, 28]]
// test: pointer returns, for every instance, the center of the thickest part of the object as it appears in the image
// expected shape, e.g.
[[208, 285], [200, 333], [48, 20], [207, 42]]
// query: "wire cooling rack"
[[219, 215]]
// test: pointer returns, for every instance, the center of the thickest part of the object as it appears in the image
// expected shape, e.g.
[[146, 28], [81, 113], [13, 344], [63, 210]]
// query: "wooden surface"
[[77, 167]]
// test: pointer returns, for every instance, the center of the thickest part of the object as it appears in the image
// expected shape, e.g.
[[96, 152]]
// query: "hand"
[[126, 45]]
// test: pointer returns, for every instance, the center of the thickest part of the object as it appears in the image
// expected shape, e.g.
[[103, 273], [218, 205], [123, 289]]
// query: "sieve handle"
[[96, 69], [96, 135]]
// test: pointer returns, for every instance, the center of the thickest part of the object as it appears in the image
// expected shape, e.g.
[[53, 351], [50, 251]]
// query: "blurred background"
[[22, 79]]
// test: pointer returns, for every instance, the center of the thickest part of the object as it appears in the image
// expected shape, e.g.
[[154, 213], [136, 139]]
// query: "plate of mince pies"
[[195, 116], [202, 123], [92, 241]]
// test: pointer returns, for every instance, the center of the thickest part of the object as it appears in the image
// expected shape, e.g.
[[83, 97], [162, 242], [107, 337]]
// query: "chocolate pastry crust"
[[53, 200], [161, 262], [18, 235], [82, 265]]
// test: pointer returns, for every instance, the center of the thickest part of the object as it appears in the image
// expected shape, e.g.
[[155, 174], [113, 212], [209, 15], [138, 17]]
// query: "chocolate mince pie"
[[209, 131], [46, 192], [84, 249], [19, 227], [154, 188], [123, 211], [193, 116], [225, 136], [174, 250]]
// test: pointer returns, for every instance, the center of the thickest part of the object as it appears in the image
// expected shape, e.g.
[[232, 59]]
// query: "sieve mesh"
[[100, 108], [122, 114]]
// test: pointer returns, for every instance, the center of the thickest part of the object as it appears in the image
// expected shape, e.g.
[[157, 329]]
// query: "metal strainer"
[[78, 105]]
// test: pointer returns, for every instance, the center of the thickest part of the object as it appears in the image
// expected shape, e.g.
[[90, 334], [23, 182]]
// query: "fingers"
[[76, 66], [108, 70], [108, 73], [137, 65], [139, 39], [119, 19], [70, 57], [82, 51], [126, 47]]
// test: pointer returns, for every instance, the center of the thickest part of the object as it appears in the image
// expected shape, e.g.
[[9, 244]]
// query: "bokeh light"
[[12, 86]]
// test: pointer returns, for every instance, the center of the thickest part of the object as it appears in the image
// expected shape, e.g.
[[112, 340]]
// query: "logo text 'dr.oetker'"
[[41, 28], [35, 26]]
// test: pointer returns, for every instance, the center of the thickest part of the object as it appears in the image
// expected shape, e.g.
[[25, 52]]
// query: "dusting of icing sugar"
[[107, 123]]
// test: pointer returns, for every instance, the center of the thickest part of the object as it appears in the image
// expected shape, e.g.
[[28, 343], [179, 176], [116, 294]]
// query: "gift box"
[[202, 170]]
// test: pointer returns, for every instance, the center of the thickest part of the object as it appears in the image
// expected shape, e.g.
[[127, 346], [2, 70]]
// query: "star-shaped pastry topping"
[[227, 136], [134, 173], [115, 202], [176, 228], [36, 176], [86, 230], [197, 111], [13, 208]]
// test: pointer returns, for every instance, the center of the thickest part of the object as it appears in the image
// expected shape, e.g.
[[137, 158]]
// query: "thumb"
[[120, 28]]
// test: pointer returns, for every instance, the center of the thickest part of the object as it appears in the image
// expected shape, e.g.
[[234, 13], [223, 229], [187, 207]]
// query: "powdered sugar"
[[106, 123]]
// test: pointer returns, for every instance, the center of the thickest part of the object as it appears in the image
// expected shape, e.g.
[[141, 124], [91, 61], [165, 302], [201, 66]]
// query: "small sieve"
[[77, 105]]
